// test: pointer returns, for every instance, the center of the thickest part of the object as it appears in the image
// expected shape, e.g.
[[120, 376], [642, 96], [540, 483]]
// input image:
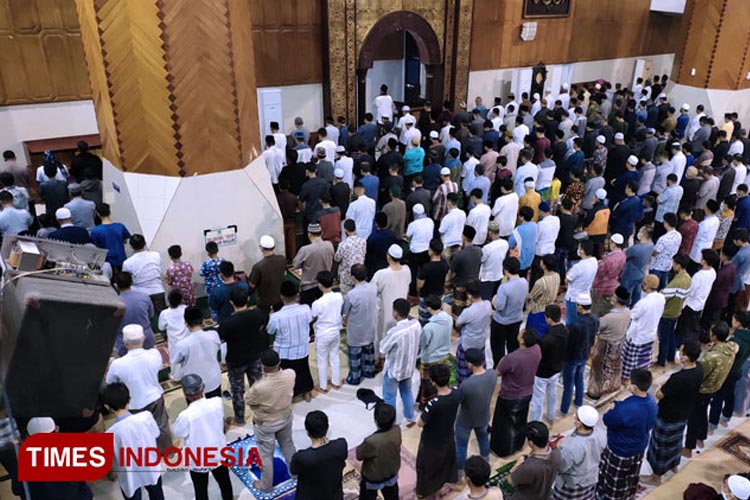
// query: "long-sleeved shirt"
[[270, 398], [581, 336], [608, 272], [644, 318], [741, 261], [435, 341], [400, 347], [719, 296], [362, 317], [687, 229], [675, 293], [716, 365], [666, 248], [669, 201], [629, 424], [705, 237], [700, 288]]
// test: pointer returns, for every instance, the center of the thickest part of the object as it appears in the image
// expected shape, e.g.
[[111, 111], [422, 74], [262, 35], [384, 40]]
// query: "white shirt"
[[678, 162], [479, 219], [705, 237], [580, 278], [347, 165], [383, 106], [445, 134], [145, 266], [695, 124], [198, 354], [274, 163], [452, 227], [327, 310], [493, 254], [330, 148], [511, 151], [700, 287], [201, 425], [546, 175], [519, 133], [139, 370], [362, 212], [409, 135], [564, 98], [420, 233], [281, 145], [505, 213], [333, 135], [172, 320], [524, 172], [136, 432], [736, 148], [740, 174], [511, 103], [644, 318], [60, 175], [401, 125], [304, 155], [496, 122], [546, 235]]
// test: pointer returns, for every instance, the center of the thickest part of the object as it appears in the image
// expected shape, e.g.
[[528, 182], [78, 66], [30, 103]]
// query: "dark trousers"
[[488, 289], [310, 295], [503, 340], [236, 374], [722, 404], [154, 492], [416, 261], [562, 262], [688, 326], [389, 492], [697, 426], [159, 303], [667, 340], [200, 483]]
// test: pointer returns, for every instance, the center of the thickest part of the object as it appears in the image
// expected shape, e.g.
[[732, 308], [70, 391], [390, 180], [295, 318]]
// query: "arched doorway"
[[401, 50]]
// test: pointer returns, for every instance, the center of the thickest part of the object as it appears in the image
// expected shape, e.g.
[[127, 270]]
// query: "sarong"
[[618, 476], [665, 447], [635, 356], [606, 368], [509, 425], [303, 383], [574, 492]]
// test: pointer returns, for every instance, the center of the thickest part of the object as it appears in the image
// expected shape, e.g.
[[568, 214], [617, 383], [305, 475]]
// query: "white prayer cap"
[[62, 213], [339, 173], [633, 160], [662, 96], [434, 134], [39, 425], [686, 107], [565, 86], [132, 332], [395, 251], [340, 149], [601, 139], [529, 184], [588, 415], [537, 96], [418, 209], [739, 487], [601, 193], [598, 86], [583, 299], [405, 107], [445, 171], [619, 136], [267, 242], [617, 239]]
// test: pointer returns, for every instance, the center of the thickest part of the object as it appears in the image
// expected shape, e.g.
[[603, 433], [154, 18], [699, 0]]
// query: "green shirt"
[[675, 293], [741, 337], [716, 365]]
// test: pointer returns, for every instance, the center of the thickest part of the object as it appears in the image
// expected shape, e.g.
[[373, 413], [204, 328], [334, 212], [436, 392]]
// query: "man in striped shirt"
[[291, 328], [400, 347], [675, 293]]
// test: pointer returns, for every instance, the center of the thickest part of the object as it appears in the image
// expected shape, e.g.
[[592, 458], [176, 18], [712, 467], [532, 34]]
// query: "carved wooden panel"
[[40, 52]]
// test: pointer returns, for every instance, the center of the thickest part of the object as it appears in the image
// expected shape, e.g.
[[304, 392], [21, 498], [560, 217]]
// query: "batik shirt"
[[211, 274], [180, 275]]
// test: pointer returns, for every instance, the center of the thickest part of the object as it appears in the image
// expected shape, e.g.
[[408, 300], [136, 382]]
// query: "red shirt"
[[540, 145], [688, 229]]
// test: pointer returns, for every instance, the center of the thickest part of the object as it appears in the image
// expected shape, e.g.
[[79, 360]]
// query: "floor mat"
[[738, 446], [284, 485]]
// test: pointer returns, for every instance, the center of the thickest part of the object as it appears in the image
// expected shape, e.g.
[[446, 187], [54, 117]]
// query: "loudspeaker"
[[56, 339]]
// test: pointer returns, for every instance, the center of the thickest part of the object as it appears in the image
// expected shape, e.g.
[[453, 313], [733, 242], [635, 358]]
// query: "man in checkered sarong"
[[628, 426]]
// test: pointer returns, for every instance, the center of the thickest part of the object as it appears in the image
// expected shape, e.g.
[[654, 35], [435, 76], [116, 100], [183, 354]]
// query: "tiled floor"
[[350, 419]]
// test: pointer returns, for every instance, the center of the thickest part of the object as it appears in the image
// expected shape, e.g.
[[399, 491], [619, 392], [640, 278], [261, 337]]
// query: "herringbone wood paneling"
[[135, 68], [198, 45], [98, 78]]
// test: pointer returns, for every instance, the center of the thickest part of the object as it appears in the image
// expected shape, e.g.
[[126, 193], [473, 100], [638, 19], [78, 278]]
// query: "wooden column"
[[173, 83]]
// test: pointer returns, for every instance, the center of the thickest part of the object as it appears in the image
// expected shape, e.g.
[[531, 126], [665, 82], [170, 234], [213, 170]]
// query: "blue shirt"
[[527, 231], [112, 237], [482, 183], [637, 260], [510, 300], [682, 122], [413, 161], [432, 176], [452, 143], [492, 135], [368, 131], [742, 213], [741, 261], [219, 299], [629, 424], [625, 214], [371, 183]]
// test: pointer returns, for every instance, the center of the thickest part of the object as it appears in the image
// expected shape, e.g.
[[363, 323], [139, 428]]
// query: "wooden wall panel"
[[287, 41], [40, 52], [595, 29]]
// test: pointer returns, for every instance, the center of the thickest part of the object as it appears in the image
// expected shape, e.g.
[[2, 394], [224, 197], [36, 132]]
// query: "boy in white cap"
[[139, 371], [346, 165], [418, 234], [392, 283], [326, 313], [440, 203], [579, 457], [581, 334], [134, 431], [601, 151], [736, 487]]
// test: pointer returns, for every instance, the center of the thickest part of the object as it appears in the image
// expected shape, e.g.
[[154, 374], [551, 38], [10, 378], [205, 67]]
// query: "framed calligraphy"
[[546, 8]]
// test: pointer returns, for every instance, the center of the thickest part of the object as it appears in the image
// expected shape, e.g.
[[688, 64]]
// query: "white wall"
[[488, 84], [391, 73], [301, 100], [41, 121], [716, 102]]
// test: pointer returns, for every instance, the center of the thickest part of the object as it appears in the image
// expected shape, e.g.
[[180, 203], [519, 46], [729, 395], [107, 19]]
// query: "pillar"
[[173, 83]]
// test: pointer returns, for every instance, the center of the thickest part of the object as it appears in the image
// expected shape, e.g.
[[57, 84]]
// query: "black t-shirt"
[[554, 346], [439, 418], [433, 273], [245, 335], [680, 392], [319, 471], [466, 264]]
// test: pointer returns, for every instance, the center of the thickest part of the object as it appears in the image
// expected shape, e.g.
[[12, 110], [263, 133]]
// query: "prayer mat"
[[283, 485], [737, 445], [407, 476]]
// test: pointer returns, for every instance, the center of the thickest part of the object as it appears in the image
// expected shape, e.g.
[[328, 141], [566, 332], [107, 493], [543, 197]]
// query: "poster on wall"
[[546, 8], [224, 237]]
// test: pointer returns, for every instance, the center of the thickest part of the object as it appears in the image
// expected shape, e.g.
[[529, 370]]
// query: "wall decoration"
[[546, 8]]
